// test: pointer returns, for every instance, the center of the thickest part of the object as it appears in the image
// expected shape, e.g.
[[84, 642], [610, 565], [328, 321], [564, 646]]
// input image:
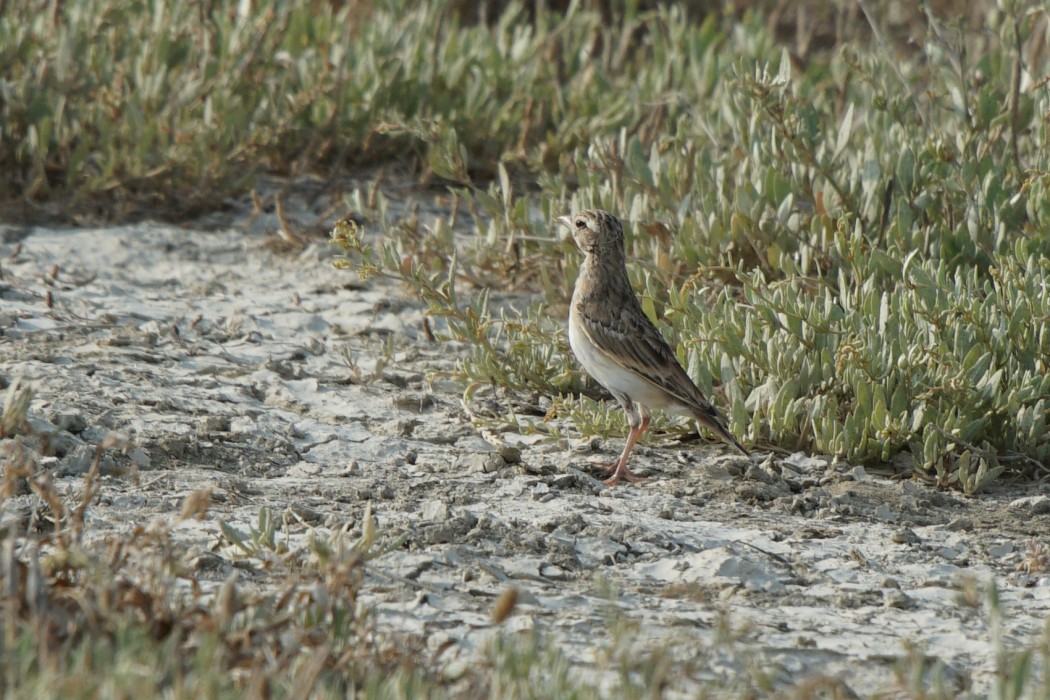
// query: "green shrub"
[[856, 251]]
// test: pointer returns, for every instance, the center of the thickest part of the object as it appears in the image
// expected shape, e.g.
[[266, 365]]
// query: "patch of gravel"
[[225, 364]]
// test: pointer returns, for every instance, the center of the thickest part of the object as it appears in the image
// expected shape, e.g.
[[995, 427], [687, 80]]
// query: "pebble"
[[74, 423], [306, 513], [480, 462], [801, 462], [896, 598], [510, 454], [1001, 550], [435, 511], [564, 481], [885, 513], [140, 458], [904, 536], [413, 402], [456, 669], [554, 572], [214, 424], [857, 473], [1036, 505]]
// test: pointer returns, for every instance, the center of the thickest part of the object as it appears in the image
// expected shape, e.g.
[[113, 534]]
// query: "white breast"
[[618, 380]]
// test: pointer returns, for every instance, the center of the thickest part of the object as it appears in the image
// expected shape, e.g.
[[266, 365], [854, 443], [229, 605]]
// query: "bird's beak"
[[565, 221]]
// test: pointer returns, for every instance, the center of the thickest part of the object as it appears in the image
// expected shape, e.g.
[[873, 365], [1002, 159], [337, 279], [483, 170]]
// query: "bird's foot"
[[612, 473], [622, 473]]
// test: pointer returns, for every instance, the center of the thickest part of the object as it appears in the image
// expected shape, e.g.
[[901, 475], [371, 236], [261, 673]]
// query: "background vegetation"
[[850, 245]]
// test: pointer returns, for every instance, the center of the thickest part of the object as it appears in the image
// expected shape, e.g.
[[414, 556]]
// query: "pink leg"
[[620, 470]]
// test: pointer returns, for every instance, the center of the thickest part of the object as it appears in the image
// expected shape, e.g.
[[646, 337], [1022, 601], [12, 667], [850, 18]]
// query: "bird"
[[620, 347]]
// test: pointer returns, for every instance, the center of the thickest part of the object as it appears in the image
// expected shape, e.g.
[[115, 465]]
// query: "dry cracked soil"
[[278, 381]]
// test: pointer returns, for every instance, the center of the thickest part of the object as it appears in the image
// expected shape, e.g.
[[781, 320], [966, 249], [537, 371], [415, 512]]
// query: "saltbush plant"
[[853, 252]]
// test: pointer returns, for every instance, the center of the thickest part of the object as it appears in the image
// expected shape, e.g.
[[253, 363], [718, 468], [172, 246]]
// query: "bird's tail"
[[710, 417]]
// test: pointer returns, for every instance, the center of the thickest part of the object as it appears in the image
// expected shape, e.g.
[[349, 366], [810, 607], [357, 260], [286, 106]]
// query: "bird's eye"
[[580, 223]]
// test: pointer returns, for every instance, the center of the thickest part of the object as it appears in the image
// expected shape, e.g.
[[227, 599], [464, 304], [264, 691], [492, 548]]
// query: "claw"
[[626, 475]]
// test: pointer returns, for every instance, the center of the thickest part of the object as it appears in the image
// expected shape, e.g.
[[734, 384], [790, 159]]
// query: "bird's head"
[[595, 232]]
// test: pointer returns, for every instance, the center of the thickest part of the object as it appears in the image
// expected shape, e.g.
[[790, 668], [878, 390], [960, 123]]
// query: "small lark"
[[619, 346]]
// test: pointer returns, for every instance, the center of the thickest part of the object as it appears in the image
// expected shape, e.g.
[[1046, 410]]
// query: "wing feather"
[[633, 341]]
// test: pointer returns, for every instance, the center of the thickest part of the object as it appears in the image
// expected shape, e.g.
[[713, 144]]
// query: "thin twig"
[[1015, 94], [881, 41]]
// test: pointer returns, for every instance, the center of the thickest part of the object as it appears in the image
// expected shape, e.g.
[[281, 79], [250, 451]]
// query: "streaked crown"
[[596, 232]]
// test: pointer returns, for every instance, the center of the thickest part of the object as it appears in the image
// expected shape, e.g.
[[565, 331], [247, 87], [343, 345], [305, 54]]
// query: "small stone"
[[904, 536], [1019, 579], [1036, 505], [896, 598], [471, 463], [282, 368], [801, 462], [947, 553], [588, 445], [480, 462], [456, 670], [467, 520], [74, 423], [62, 443], [564, 481], [910, 488], [397, 427], [510, 454], [1001, 550], [960, 524], [77, 461], [140, 458], [413, 402], [435, 511], [859, 474], [554, 572], [336, 521], [885, 513], [306, 513], [214, 424]]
